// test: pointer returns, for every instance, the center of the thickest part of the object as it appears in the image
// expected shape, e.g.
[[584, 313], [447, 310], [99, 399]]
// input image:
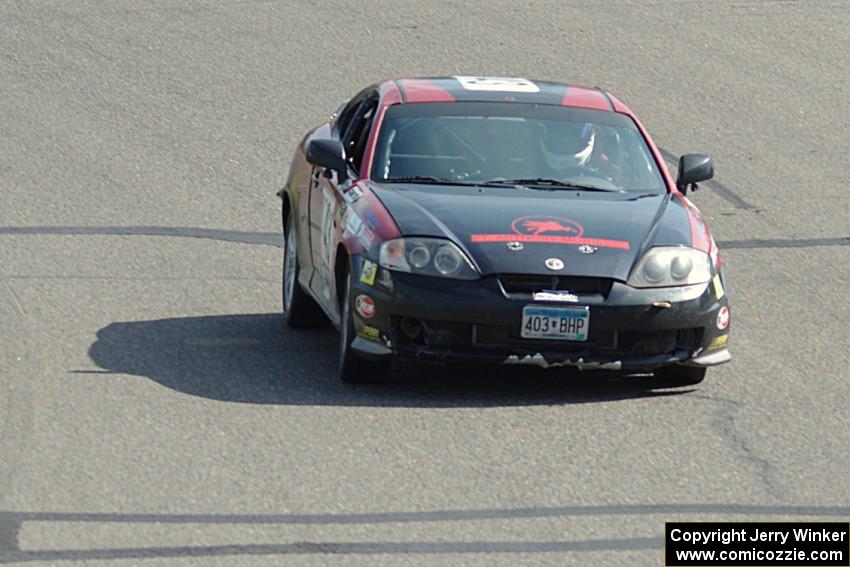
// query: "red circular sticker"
[[541, 224], [723, 318], [365, 306]]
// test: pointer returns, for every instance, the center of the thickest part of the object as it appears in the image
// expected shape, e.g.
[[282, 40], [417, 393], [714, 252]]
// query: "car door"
[[327, 205]]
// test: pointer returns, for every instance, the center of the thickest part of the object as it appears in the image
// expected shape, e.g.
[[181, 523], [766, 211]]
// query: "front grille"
[[510, 337], [412, 334], [521, 285], [615, 343]]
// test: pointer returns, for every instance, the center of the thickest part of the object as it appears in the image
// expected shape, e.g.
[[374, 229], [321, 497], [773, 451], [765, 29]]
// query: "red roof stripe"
[[423, 90], [586, 98]]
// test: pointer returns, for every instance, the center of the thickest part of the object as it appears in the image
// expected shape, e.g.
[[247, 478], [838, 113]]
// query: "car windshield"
[[507, 143]]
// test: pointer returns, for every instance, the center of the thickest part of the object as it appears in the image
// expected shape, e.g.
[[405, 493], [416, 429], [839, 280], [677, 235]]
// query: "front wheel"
[[352, 368]]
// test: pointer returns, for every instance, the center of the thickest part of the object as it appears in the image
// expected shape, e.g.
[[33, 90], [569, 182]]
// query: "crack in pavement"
[[19, 306], [725, 425]]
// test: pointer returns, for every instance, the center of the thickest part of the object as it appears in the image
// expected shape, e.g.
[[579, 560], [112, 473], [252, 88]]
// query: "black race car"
[[503, 221]]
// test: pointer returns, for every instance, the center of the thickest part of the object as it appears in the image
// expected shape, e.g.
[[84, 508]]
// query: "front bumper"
[[478, 321]]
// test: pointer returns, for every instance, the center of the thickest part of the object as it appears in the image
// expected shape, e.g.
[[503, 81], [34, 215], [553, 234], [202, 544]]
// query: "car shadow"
[[254, 358]]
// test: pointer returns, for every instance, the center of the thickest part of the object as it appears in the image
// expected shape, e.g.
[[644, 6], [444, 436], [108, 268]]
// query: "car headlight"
[[665, 266], [427, 256]]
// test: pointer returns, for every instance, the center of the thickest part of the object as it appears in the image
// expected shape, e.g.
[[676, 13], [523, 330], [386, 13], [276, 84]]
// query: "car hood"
[[510, 230]]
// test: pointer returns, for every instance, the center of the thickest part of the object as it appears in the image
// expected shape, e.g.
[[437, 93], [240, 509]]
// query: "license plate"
[[555, 323]]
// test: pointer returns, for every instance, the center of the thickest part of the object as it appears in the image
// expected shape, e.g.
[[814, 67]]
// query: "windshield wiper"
[[553, 184], [643, 196], [531, 183], [424, 179]]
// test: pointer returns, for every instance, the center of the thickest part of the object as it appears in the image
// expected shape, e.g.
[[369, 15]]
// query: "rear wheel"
[[299, 309], [678, 375], [352, 368]]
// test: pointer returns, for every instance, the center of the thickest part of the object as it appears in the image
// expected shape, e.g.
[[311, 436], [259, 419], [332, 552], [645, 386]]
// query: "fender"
[[366, 221]]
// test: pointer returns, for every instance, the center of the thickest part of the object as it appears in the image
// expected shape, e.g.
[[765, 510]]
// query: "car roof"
[[503, 89]]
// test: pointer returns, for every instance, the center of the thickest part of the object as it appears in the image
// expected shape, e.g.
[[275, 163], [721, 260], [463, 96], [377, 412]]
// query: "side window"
[[361, 137], [345, 113], [357, 131]]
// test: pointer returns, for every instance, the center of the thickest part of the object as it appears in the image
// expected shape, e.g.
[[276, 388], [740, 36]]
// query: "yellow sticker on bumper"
[[370, 333], [719, 342], [368, 273], [718, 287]]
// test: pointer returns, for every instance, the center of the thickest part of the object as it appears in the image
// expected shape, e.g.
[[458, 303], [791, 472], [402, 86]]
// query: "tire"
[[678, 375], [352, 368], [300, 311]]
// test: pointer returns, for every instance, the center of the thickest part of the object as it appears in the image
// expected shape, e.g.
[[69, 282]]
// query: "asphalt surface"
[[154, 411]]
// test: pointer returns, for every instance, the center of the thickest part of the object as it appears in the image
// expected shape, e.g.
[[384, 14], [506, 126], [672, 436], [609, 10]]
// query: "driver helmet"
[[567, 144]]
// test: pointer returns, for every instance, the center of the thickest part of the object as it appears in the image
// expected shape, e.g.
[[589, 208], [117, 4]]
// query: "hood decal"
[[549, 230], [539, 224]]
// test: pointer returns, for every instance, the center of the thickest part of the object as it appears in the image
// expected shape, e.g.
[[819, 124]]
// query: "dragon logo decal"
[[538, 225]]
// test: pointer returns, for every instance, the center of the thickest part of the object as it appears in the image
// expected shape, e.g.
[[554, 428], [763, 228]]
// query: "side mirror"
[[327, 153], [694, 168]]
